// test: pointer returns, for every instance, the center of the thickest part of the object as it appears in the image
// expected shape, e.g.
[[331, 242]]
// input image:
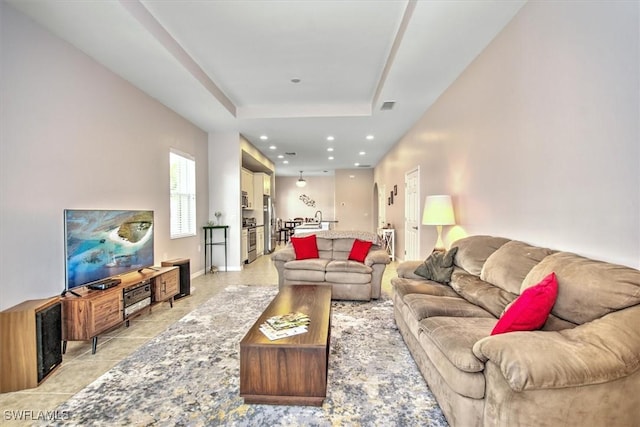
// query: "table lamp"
[[438, 211]]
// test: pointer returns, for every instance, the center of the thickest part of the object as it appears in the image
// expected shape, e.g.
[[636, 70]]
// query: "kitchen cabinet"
[[244, 248], [260, 240], [258, 201], [262, 183], [246, 180], [267, 184], [247, 186]]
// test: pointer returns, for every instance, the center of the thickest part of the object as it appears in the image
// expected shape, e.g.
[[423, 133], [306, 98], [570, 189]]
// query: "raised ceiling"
[[229, 65]]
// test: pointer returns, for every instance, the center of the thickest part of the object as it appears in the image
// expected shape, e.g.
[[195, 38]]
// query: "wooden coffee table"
[[292, 370]]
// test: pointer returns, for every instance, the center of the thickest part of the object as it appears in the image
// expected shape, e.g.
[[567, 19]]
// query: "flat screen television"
[[101, 244]]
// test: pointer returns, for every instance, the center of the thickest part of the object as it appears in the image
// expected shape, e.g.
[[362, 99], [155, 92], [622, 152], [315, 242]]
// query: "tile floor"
[[79, 367]]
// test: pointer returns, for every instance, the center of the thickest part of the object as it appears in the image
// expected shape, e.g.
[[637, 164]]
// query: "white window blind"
[[182, 181]]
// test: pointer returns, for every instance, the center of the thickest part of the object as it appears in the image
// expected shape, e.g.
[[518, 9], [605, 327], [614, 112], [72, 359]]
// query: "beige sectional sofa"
[[350, 280], [582, 368]]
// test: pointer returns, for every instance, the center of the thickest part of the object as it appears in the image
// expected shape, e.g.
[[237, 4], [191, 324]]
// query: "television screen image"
[[106, 243]]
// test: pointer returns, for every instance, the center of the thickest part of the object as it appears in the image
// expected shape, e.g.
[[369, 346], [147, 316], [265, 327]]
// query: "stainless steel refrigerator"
[[269, 225]]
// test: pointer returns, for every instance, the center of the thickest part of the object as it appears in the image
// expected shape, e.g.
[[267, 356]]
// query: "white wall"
[[346, 197], [224, 185], [538, 140], [320, 189], [354, 199], [74, 135]]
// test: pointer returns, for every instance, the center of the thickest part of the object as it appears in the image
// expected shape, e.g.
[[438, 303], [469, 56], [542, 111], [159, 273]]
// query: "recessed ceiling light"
[[362, 153], [272, 147], [330, 138], [286, 162], [330, 157], [295, 80], [352, 176], [356, 164], [264, 137], [330, 149], [369, 137], [280, 156]]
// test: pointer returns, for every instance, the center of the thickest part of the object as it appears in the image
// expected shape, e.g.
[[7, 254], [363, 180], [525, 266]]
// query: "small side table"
[[209, 244], [388, 236]]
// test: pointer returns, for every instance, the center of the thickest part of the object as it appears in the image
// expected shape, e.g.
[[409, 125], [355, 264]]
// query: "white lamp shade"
[[438, 210]]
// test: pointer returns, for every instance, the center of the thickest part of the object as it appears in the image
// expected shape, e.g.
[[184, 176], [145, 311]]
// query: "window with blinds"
[[182, 181]]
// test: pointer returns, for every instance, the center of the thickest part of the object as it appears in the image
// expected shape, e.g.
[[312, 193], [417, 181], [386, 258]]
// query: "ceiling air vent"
[[387, 105], [291, 153], [364, 166]]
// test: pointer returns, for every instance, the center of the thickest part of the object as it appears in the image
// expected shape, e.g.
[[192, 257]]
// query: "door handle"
[[414, 227]]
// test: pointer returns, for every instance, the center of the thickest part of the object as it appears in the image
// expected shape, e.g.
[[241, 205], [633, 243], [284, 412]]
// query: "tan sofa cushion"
[[481, 293], [509, 265], [404, 287], [346, 266], [554, 323], [456, 337], [423, 306], [317, 264], [325, 247], [448, 341], [342, 248], [347, 278], [473, 251], [338, 248], [587, 289], [348, 272], [292, 276], [305, 270]]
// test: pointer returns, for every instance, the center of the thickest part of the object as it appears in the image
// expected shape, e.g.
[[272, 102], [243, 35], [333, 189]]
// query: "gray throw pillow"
[[438, 266]]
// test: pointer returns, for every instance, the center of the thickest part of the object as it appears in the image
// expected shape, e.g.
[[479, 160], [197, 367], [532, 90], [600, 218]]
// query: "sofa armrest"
[[379, 256], [279, 258], [406, 269], [603, 350], [285, 254]]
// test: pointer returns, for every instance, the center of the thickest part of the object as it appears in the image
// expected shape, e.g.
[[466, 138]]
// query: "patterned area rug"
[[189, 374]]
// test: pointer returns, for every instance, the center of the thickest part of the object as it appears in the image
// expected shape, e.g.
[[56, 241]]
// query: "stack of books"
[[285, 325]]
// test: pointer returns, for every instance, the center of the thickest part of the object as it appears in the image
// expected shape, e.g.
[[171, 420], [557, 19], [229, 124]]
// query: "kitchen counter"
[[311, 226]]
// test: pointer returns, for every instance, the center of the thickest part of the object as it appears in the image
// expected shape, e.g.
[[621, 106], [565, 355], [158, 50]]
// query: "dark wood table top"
[[312, 300]]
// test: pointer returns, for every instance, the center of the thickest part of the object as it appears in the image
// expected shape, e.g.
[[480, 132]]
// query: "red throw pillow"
[[530, 310], [305, 247], [359, 250]]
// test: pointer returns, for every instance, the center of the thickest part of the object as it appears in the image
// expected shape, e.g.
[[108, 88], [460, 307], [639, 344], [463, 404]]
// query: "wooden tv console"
[[93, 312]]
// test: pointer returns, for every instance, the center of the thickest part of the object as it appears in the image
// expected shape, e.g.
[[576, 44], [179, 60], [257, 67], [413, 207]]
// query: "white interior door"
[[412, 215]]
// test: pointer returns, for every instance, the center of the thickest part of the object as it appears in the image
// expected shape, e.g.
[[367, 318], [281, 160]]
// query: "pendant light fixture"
[[301, 182]]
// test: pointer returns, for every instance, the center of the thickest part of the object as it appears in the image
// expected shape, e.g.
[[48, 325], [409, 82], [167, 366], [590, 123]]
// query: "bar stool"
[[283, 234]]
